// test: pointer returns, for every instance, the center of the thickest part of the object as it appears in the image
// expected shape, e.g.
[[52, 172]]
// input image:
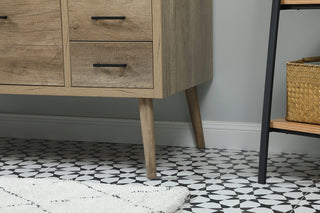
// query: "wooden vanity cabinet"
[[144, 49]]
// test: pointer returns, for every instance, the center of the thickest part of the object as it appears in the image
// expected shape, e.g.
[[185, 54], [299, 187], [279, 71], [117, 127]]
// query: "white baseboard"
[[230, 135]]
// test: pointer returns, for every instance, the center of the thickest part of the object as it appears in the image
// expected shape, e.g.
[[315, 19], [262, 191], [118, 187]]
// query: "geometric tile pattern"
[[219, 180]]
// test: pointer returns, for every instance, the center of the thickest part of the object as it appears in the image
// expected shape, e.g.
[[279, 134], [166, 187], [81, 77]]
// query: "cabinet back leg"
[[147, 128], [193, 102]]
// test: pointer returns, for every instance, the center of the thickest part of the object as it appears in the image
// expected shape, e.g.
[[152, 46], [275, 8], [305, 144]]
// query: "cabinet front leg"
[[147, 128], [193, 102]]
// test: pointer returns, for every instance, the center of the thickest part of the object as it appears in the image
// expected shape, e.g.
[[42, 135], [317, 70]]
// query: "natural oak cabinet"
[[141, 49]]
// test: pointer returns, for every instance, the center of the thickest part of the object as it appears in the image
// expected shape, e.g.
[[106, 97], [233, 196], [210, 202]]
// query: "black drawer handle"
[[109, 65], [3, 17], [108, 17]]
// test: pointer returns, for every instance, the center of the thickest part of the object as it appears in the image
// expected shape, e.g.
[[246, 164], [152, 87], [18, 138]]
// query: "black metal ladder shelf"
[[279, 125]]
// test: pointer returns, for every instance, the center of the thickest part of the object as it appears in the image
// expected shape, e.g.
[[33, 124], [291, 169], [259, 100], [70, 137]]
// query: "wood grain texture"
[[186, 36], [136, 27], [182, 43], [30, 43], [31, 65], [157, 48], [193, 103], [76, 91], [30, 22], [300, 1], [66, 41], [137, 56], [295, 126], [147, 128]]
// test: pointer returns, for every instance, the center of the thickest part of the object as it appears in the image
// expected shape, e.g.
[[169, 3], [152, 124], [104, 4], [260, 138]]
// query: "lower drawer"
[[112, 65], [31, 65]]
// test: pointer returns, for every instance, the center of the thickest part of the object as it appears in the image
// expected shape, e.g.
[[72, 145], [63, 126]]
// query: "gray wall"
[[240, 47]]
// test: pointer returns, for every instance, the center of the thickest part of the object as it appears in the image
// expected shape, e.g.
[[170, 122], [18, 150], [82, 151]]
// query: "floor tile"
[[219, 180]]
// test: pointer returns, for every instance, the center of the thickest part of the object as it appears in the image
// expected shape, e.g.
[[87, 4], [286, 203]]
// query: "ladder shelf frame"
[[266, 128]]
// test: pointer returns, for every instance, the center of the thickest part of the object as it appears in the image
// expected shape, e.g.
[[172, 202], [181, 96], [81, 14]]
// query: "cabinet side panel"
[[187, 36], [157, 48], [66, 42]]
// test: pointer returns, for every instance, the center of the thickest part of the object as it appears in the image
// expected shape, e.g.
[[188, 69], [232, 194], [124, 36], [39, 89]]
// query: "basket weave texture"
[[303, 91]]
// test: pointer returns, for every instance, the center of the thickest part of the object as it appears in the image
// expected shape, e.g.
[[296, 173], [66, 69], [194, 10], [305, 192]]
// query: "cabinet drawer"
[[110, 20], [30, 22], [112, 65], [31, 65], [31, 43]]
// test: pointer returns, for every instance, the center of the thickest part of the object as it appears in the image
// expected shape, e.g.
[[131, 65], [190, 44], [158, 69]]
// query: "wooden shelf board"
[[287, 2], [295, 126]]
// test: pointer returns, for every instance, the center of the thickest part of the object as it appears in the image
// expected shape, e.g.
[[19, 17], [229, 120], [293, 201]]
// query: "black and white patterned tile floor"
[[219, 180]]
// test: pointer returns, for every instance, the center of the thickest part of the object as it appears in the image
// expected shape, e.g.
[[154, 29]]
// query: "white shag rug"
[[56, 196]]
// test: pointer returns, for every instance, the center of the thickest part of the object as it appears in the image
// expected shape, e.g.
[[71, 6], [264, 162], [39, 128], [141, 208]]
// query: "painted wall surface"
[[241, 30]]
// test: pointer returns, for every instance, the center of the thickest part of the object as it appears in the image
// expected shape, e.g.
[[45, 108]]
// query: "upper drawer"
[[110, 20], [30, 22]]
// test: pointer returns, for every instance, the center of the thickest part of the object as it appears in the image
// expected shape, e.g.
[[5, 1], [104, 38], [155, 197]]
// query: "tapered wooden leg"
[[147, 128], [193, 102]]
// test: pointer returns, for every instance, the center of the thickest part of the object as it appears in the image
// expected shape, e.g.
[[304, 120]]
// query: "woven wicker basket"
[[303, 91]]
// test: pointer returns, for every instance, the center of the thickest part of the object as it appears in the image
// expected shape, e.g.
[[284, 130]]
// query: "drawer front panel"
[[112, 65], [31, 65], [30, 22], [110, 20], [31, 43]]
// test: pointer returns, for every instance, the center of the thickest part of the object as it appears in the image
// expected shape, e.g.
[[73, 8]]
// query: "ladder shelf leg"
[[265, 127]]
